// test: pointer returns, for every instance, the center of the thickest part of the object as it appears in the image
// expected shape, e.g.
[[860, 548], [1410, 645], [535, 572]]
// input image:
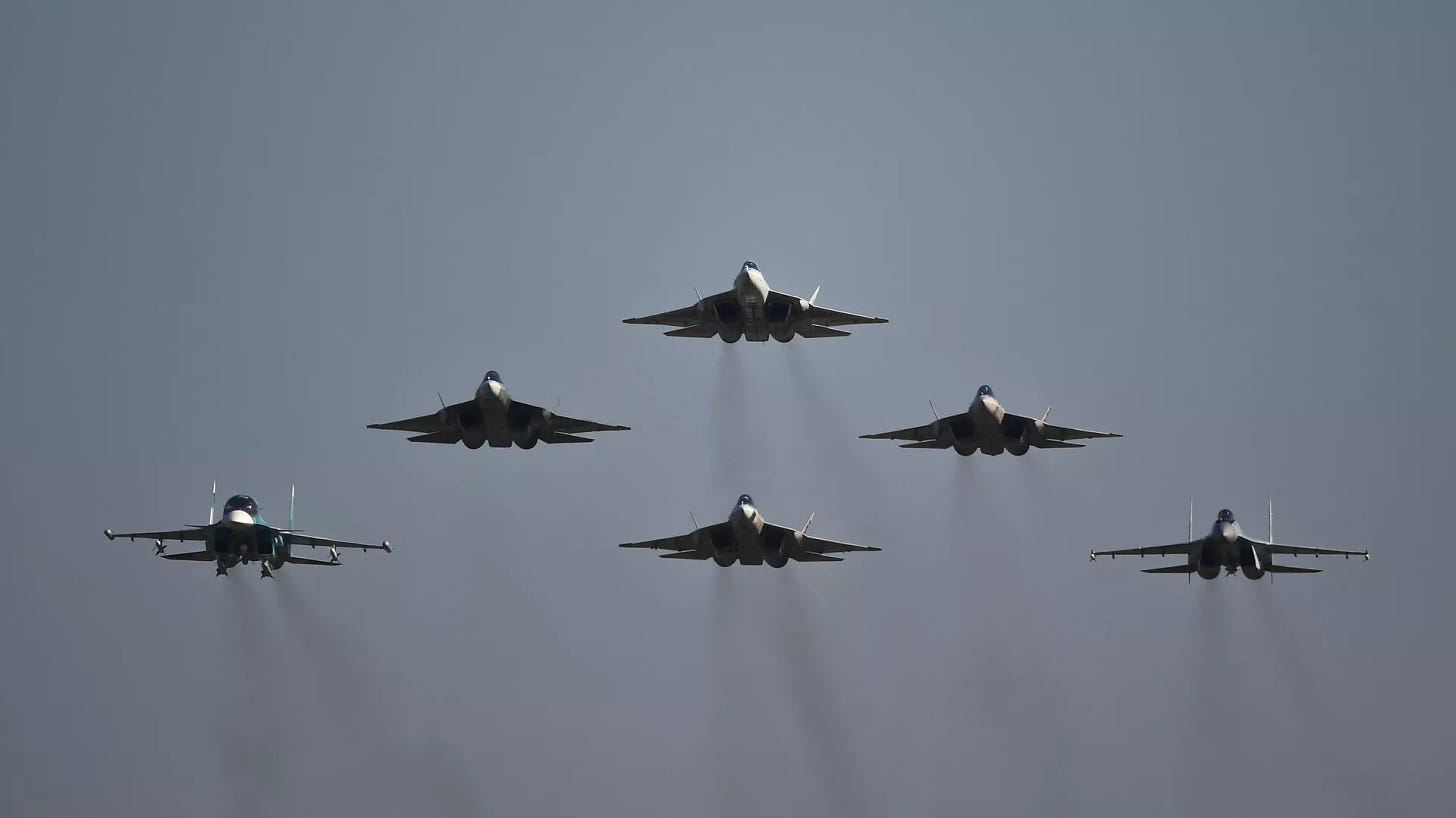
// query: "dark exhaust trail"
[[1012, 680], [814, 698], [833, 445], [1213, 740], [1322, 742], [253, 737], [376, 759], [731, 423], [725, 727]]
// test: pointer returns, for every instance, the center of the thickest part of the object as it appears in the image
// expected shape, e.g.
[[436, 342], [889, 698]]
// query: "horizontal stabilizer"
[[816, 331], [448, 436], [695, 331], [686, 555], [195, 556], [926, 444], [1290, 569], [292, 560], [810, 556], [1058, 444], [562, 437], [1171, 569]]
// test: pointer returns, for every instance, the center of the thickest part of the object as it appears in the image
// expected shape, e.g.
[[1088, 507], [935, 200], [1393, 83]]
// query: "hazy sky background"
[[233, 234]]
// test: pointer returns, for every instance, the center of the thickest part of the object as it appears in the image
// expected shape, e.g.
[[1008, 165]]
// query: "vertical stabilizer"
[[212, 509], [292, 490]]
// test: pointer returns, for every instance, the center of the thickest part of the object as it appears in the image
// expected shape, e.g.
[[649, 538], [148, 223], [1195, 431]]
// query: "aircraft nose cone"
[[238, 517]]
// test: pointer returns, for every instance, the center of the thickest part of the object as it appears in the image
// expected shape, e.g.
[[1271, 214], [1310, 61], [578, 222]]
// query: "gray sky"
[[232, 235]]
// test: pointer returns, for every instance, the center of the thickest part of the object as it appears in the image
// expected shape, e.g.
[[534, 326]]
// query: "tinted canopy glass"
[[241, 502]]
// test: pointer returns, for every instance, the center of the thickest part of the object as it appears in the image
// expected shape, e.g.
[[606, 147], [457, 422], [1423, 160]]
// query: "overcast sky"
[[231, 235]]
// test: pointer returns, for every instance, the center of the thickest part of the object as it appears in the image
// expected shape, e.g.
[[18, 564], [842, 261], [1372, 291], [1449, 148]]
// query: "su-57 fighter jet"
[[748, 539], [242, 535], [494, 417], [751, 310], [990, 429], [1226, 548]]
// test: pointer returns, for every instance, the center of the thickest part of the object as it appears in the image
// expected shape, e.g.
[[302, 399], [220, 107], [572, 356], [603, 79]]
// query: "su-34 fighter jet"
[[990, 429], [750, 540], [753, 311], [1226, 549], [242, 535], [494, 417]]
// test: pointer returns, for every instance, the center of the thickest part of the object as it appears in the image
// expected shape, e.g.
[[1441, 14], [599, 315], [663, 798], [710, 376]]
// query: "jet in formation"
[[748, 539], [1226, 549], [494, 417], [242, 535], [753, 311], [988, 428]]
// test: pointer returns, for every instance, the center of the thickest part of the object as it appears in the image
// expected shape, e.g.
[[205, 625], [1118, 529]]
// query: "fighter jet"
[[1225, 547], [242, 535], [494, 417], [748, 539], [751, 310], [990, 429]]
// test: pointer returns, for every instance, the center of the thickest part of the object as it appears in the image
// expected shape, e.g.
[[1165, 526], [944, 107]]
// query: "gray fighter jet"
[[242, 535], [753, 311], [494, 417], [988, 428], [1225, 548], [750, 540]]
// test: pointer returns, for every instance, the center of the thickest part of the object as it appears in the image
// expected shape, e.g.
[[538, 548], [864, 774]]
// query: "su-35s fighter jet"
[[494, 417], [988, 428], [753, 311], [1226, 549], [242, 535], [750, 540]]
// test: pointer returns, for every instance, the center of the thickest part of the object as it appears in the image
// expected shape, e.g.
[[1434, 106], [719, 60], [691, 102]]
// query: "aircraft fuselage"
[[748, 543], [1224, 552], [751, 291], [241, 538], [495, 412]]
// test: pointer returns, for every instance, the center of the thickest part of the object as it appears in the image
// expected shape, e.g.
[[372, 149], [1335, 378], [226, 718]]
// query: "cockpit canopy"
[[493, 376], [985, 391], [750, 265], [1225, 516], [241, 502], [745, 500]]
